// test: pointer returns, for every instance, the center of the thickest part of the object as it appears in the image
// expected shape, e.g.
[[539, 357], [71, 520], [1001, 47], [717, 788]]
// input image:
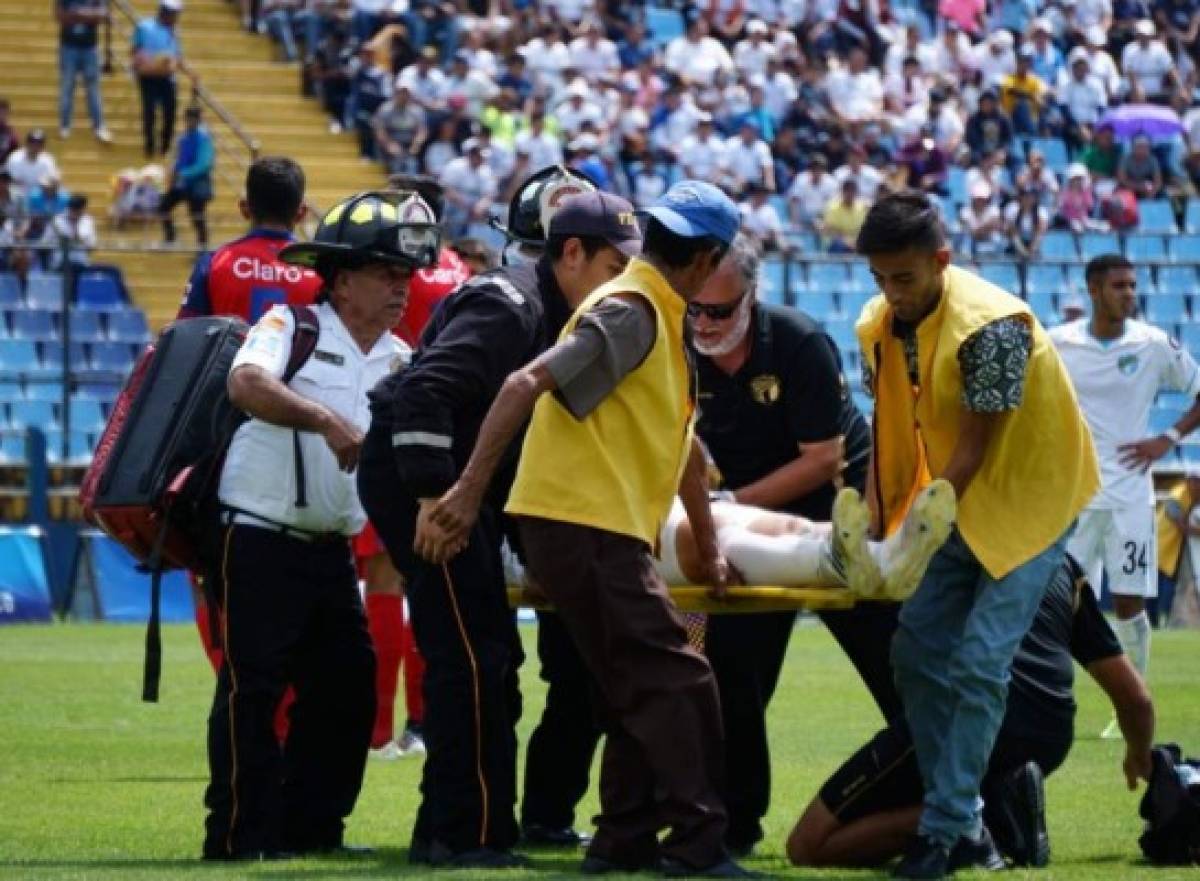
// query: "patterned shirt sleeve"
[[993, 362]]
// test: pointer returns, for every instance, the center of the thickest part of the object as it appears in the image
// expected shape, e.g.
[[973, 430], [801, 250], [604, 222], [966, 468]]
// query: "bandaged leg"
[[802, 560], [1134, 634]]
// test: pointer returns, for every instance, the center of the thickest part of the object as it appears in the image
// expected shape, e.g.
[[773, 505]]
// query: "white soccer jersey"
[[1116, 383]]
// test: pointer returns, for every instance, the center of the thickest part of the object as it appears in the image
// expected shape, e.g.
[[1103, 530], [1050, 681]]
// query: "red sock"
[[283, 722], [385, 620], [216, 655], [414, 674]]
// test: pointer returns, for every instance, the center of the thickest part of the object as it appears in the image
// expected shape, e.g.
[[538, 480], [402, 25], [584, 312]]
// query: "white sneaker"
[[411, 743], [1112, 731], [335, 127], [389, 752], [925, 529], [851, 553], [64, 133], [104, 136]]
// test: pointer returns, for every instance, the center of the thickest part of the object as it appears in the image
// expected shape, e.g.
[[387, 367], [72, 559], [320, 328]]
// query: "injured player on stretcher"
[[770, 548]]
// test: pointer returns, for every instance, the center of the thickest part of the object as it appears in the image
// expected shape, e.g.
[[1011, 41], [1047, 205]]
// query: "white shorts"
[[1120, 544], [668, 558]]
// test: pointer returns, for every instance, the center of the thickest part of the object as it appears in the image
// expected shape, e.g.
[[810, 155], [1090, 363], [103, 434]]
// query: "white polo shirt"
[[259, 476], [1116, 384]]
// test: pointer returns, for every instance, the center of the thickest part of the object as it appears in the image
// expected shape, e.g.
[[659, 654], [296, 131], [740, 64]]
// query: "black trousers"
[[292, 615], [158, 96], [468, 637], [559, 756], [747, 654], [196, 207]]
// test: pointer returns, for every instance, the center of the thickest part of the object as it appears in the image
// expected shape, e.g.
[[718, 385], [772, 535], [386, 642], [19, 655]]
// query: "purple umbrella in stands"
[[1130, 120]]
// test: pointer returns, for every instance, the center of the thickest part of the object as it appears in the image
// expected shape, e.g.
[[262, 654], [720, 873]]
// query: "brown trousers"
[[657, 697]]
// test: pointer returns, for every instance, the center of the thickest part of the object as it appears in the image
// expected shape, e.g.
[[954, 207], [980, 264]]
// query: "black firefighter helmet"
[[538, 198]]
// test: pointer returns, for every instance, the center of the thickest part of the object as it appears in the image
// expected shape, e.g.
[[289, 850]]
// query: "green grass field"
[[96, 784]]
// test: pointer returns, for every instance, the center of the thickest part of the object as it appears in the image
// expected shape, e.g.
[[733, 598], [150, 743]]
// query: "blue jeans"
[[952, 656], [73, 63], [279, 26]]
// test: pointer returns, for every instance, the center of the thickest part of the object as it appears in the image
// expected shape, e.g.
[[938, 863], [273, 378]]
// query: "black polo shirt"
[[79, 36], [790, 391]]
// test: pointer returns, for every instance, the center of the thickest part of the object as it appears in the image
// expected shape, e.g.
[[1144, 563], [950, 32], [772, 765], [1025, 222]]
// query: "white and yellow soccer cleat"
[[925, 529], [850, 551]]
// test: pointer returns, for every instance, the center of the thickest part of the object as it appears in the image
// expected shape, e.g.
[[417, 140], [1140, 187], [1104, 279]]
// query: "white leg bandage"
[[1135, 639]]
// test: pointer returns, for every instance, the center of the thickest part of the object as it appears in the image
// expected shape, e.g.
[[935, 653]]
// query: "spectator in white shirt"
[[907, 89], [577, 110], [475, 87], [1147, 65], [952, 56], [702, 153], [696, 57], [1082, 94], [995, 58], [627, 118], [469, 188], [570, 12], [761, 221], [992, 173], [811, 191], [481, 57], [982, 223], [29, 164], [77, 230], [1091, 14], [868, 177], [748, 160], [680, 121], [1102, 65], [424, 81], [546, 57], [911, 46], [751, 55], [855, 91], [539, 145], [593, 55], [779, 89]]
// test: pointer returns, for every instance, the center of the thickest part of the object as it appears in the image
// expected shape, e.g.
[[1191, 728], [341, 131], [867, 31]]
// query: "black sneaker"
[[1015, 810], [726, 868], [976, 853], [924, 860], [539, 835]]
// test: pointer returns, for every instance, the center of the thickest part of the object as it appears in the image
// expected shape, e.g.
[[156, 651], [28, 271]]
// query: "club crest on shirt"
[[765, 389], [1127, 364]]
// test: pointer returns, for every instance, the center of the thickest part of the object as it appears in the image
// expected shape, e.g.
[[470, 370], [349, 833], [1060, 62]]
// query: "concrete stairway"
[[238, 69]]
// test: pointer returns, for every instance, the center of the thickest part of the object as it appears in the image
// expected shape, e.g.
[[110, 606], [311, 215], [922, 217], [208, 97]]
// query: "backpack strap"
[[304, 342]]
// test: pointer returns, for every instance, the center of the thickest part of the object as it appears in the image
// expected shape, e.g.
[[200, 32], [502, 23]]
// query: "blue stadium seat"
[[1167, 308], [804, 241], [1189, 335], [1175, 400], [1042, 302], [43, 290], [821, 304], [861, 278], [12, 447], [106, 392], [128, 326], [24, 414], [51, 362], [841, 330], [853, 302], [115, 357], [16, 357], [663, 25], [98, 290], [1059, 244], [85, 327], [10, 391], [1093, 244], [86, 415], [1156, 216], [771, 284], [863, 402], [1191, 216], [828, 276], [44, 390], [1003, 275], [1076, 279], [10, 290], [956, 185], [1177, 279], [79, 446], [1186, 247], [1162, 418], [33, 324], [1145, 247], [1047, 277], [1145, 279]]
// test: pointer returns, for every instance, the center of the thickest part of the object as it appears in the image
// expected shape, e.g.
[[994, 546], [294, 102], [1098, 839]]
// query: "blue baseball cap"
[[695, 208]]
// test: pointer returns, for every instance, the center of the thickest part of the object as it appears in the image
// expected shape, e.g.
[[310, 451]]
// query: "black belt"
[[230, 517]]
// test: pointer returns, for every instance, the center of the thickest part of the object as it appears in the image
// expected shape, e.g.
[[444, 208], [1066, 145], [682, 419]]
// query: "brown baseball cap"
[[599, 215]]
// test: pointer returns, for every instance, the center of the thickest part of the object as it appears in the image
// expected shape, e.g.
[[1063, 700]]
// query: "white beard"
[[733, 337]]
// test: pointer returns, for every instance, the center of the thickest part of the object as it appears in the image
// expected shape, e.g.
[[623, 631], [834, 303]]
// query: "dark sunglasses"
[[714, 311]]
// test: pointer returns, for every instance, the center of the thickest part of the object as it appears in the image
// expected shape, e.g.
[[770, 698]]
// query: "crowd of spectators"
[[42, 224], [802, 109]]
